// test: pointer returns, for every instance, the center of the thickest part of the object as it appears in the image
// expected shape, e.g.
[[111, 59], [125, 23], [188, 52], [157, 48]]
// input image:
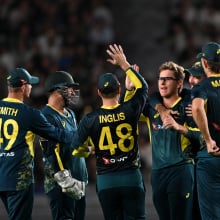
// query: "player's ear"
[[119, 90], [22, 88], [179, 86], [204, 63], [99, 93]]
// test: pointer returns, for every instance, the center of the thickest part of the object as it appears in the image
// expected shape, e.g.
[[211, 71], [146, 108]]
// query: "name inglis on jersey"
[[108, 119], [111, 118]]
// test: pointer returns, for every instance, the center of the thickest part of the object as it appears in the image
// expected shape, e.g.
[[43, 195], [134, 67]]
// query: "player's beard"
[[70, 100]]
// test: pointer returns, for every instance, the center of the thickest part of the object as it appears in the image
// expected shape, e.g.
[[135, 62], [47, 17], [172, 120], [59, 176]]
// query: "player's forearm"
[[124, 65], [182, 129], [160, 108], [163, 111], [200, 119], [137, 80]]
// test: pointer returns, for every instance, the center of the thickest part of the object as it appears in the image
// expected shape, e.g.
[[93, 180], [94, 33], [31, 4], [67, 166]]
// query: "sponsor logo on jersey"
[[10, 154], [187, 195], [113, 160], [215, 83], [63, 123], [216, 126], [156, 127]]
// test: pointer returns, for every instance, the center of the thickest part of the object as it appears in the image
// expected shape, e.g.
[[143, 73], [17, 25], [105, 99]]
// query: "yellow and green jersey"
[[18, 125], [209, 90], [113, 131], [169, 147], [65, 160]]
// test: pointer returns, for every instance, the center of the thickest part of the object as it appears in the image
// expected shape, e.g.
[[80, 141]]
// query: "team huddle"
[[183, 126]]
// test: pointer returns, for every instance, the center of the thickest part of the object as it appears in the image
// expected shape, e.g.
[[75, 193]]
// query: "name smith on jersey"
[[111, 117], [8, 111]]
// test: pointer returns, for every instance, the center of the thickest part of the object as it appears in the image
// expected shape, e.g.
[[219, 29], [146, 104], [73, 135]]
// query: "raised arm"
[[117, 56]]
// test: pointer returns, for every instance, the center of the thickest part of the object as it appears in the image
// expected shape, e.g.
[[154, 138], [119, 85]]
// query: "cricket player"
[[63, 96], [112, 132], [18, 125], [206, 113], [172, 176], [195, 75]]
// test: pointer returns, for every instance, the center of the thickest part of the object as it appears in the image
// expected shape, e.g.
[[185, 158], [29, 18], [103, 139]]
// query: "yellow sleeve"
[[133, 77], [84, 151]]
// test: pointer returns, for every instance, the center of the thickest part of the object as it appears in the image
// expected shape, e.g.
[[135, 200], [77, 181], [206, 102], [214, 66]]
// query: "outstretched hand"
[[117, 56]]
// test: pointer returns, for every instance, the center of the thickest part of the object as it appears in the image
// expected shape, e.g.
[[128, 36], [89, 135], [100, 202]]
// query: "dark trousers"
[[64, 207], [19, 204], [173, 192], [123, 203], [196, 211], [208, 186]]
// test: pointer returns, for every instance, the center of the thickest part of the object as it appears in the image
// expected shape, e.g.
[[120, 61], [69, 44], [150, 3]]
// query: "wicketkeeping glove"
[[70, 185], [77, 191]]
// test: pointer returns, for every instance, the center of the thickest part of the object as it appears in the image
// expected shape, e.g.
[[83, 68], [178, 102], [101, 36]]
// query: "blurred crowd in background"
[[191, 24], [44, 36]]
